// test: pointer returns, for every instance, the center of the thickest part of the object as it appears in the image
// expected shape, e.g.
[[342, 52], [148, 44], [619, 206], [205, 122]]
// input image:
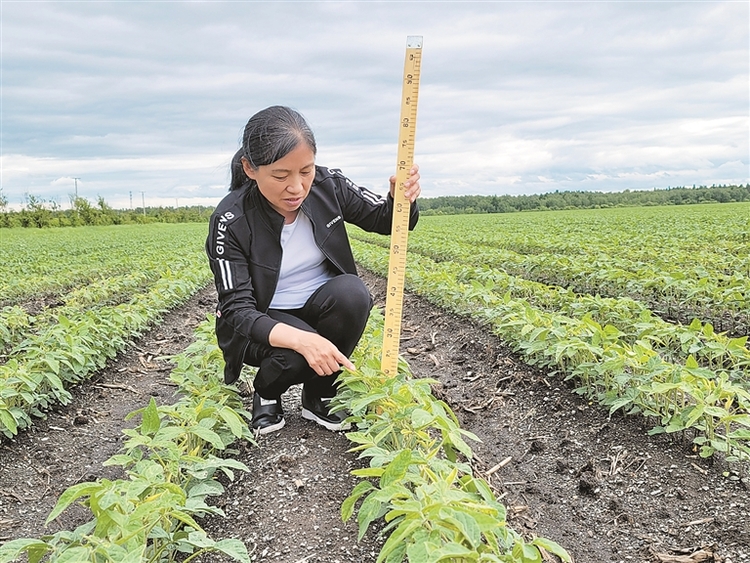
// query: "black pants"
[[338, 311]]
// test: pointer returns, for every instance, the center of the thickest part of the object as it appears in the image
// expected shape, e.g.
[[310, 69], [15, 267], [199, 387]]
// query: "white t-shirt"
[[303, 265]]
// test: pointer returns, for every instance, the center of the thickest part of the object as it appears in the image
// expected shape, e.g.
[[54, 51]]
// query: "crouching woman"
[[289, 299]]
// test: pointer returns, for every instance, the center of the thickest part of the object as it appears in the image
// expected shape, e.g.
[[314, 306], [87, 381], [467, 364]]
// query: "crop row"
[[16, 324], [617, 374], [723, 299], [71, 349], [172, 460], [713, 239], [40, 263], [674, 342], [419, 477]]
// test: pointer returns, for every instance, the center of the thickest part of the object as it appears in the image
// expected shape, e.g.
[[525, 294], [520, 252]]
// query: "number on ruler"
[[399, 228]]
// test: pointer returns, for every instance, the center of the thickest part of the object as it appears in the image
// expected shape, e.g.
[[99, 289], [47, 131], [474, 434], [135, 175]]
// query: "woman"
[[290, 301]]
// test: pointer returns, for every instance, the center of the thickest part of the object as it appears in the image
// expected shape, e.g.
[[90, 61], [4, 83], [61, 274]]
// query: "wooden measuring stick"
[[401, 207]]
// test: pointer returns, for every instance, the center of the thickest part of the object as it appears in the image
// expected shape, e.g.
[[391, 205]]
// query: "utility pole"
[[131, 200], [76, 181], [143, 200]]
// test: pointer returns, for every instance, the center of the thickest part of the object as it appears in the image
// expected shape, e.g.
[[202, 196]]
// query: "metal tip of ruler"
[[413, 41]]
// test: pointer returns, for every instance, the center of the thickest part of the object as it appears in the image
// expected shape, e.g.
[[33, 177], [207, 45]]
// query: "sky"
[[145, 101]]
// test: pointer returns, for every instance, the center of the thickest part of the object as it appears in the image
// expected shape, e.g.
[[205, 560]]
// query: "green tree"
[[108, 215], [38, 213], [86, 213]]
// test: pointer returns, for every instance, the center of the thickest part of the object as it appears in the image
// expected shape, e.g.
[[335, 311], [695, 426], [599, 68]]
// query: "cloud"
[[516, 97]]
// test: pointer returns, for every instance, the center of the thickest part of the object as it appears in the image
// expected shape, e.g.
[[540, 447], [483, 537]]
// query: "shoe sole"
[[272, 428], [334, 427]]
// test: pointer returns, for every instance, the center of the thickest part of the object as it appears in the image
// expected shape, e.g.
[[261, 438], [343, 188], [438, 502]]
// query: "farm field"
[[645, 310], [597, 485]]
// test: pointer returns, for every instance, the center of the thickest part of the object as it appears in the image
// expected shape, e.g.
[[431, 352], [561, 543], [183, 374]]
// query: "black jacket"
[[245, 253]]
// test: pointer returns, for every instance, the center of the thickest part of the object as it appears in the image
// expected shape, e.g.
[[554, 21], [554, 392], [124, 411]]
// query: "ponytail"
[[239, 178]]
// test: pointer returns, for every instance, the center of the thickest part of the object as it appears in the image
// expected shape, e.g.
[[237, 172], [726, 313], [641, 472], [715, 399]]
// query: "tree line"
[[453, 205], [40, 213]]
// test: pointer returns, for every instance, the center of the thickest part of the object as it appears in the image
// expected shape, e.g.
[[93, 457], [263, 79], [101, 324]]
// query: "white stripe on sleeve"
[[366, 194], [371, 197], [226, 274]]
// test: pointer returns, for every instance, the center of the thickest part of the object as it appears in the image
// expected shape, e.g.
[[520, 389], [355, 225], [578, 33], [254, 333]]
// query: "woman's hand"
[[320, 353], [412, 185]]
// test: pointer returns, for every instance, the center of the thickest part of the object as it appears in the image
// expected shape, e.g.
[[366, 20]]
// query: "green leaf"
[[695, 414], [526, 553], [740, 434], [396, 469], [716, 412], [368, 512], [208, 435], [359, 437], [185, 519], [236, 424], [553, 548], [656, 430], [200, 540], [398, 538], [119, 459], [363, 402], [53, 364], [368, 472], [466, 525], [135, 555], [234, 549], [55, 381], [70, 495], [206, 488], [458, 442], [10, 551], [419, 552], [6, 418], [421, 418], [451, 551], [347, 507], [618, 404], [719, 445], [397, 555], [150, 418], [664, 388], [74, 554]]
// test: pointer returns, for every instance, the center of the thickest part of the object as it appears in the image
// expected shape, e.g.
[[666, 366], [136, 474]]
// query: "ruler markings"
[[402, 207]]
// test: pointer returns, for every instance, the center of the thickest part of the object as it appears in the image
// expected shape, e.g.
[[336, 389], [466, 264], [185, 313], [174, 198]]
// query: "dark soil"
[[598, 486]]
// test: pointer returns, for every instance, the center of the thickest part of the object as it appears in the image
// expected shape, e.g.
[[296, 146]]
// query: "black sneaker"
[[268, 415], [317, 410]]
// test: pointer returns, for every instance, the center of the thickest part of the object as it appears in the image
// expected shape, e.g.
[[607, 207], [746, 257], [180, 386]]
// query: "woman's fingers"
[[344, 361], [412, 187], [323, 356]]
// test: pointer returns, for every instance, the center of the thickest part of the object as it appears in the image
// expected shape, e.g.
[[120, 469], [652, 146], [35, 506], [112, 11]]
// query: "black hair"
[[269, 135]]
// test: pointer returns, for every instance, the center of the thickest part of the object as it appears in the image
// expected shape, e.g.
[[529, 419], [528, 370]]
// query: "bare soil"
[[566, 470]]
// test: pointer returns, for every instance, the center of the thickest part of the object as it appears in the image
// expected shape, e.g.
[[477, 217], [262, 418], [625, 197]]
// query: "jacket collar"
[[270, 217]]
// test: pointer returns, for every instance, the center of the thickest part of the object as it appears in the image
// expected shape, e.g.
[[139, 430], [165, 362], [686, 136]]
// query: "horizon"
[[94, 203]]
